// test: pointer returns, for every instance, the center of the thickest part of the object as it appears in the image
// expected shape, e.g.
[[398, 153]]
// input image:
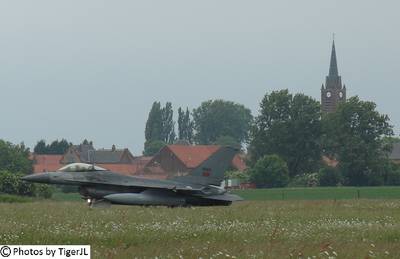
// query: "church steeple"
[[333, 70], [333, 91]]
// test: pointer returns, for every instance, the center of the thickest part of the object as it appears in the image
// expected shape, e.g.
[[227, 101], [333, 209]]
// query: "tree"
[[290, 127], [227, 141], [86, 142], [270, 171], [168, 124], [152, 147], [154, 125], [215, 118], [40, 147], [14, 164], [15, 158], [61, 146], [56, 147], [160, 128], [355, 135], [185, 126]]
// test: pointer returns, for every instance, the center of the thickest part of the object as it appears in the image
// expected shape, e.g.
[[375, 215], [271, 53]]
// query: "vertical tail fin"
[[211, 171]]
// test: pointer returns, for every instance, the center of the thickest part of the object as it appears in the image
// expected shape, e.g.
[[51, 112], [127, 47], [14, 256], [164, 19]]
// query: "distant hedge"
[[14, 198], [11, 183]]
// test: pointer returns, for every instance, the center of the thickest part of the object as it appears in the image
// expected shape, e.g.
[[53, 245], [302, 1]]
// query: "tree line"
[[213, 122], [290, 142], [292, 136], [54, 148]]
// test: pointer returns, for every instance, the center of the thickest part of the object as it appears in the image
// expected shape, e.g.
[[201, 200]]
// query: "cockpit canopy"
[[80, 167]]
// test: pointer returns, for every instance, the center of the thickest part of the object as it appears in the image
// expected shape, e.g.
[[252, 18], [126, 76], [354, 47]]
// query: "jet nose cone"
[[37, 178]]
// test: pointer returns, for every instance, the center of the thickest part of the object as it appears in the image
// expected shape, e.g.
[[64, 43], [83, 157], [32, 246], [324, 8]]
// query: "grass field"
[[321, 193], [250, 229], [314, 193]]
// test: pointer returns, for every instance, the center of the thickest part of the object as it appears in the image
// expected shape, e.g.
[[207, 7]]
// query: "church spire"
[[333, 70], [333, 92]]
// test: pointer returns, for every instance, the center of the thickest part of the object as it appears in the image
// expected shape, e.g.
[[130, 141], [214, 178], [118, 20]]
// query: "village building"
[[169, 161], [116, 160], [394, 156], [175, 160], [46, 163]]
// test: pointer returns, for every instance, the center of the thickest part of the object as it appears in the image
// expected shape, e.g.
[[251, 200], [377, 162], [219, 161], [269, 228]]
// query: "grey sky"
[[91, 69]]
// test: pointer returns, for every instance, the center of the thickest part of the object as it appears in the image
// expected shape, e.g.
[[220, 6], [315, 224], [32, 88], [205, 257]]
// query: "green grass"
[[14, 198], [314, 193], [250, 229], [61, 196], [311, 193], [320, 193]]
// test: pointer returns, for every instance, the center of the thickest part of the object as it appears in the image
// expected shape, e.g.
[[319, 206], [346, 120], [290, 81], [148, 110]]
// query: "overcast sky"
[[92, 69]]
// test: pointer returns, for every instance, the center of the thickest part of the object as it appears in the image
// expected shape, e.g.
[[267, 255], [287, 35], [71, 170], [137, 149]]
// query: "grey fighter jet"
[[199, 187]]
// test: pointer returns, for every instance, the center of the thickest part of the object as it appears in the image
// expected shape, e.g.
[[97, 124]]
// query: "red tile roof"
[[192, 156], [329, 161], [239, 163], [141, 161]]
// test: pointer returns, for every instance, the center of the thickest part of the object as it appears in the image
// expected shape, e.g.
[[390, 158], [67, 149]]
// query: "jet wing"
[[225, 197]]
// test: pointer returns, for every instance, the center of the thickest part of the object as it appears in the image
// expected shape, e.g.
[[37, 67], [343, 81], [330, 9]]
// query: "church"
[[333, 91]]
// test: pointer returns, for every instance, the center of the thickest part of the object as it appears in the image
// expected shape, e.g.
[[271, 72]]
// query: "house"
[[46, 163], [85, 153], [331, 162], [174, 160], [170, 160], [394, 156], [116, 160]]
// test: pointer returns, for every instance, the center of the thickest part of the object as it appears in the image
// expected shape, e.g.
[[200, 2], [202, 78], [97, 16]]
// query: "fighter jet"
[[99, 186]]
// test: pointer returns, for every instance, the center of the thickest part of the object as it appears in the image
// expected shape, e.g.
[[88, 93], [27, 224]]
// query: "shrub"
[[44, 191], [11, 183], [329, 176], [8, 183], [24, 188], [305, 180], [375, 178], [68, 188], [243, 176], [270, 171], [392, 176]]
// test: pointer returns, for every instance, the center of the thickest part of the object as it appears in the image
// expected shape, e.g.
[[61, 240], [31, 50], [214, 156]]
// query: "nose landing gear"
[[98, 203]]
